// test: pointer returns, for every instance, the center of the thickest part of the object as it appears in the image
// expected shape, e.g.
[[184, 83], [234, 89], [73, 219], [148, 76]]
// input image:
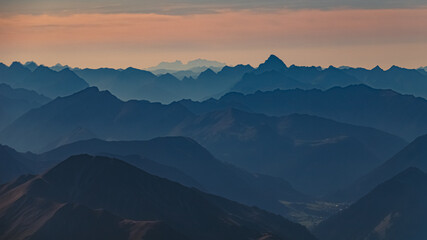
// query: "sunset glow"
[[302, 37]]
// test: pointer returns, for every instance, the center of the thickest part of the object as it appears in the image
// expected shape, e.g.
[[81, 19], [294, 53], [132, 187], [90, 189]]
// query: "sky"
[[113, 33]]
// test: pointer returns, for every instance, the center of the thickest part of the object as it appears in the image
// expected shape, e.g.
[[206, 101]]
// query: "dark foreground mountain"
[[316, 155], [394, 210], [43, 201], [413, 155], [402, 115], [91, 113], [15, 102], [182, 160], [42, 80]]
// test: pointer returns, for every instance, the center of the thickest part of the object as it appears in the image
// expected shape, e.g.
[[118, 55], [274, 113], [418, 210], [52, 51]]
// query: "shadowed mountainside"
[[413, 155], [137, 195], [394, 210]]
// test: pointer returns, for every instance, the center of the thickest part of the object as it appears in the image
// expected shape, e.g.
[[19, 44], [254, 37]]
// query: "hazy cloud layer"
[[188, 6]]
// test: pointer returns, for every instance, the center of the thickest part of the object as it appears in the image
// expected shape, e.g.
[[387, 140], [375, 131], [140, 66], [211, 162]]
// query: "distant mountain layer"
[[42, 80], [36, 207], [275, 74], [413, 155], [91, 113], [133, 83], [402, 115], [15, 102], [394, 210], [317, 155], [173, 81], [179, 66]]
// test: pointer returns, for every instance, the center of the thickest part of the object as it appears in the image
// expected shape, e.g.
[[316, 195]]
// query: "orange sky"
[[303, 37]]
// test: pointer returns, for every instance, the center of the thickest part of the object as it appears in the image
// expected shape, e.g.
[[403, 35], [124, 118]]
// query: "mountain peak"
[[394, 67], [208, 73], [42, 69], [377, 68], [273, 63], [18, 66]]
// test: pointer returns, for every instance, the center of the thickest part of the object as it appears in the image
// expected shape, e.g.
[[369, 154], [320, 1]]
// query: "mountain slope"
[[413, 155], [128, 192], [43, 80], [316, 155], [15, 102], [386, 110], [396, 209], [14, 164], [189, 158], [408, 81], [98, 113]]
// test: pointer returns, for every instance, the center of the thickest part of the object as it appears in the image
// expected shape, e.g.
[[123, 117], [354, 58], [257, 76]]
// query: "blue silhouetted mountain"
[[98, 113], [273, 63], [15, 102], [423, 71], [43, 80], [402, 80], [139, 84], [274, 74], [120, 189], [244, 139], [266, 81], [314, 77], [394, 210], [182, 159], [31, 65], [193, 72], [13, 164], [413, 155], [402, 115], [316, 155]]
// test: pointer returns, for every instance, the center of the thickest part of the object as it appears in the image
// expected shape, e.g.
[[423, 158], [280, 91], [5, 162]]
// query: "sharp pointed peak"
[[272, 63], [377, 68], [17, 65]]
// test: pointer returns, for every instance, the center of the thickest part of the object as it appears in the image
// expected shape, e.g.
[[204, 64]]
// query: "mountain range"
[[174, 81], [43, 80], [316, 155], [284, 147], [401, 115], [132, 83], [394, 210], [126, 203], [208, 151], [413, 155], [91, 113]]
